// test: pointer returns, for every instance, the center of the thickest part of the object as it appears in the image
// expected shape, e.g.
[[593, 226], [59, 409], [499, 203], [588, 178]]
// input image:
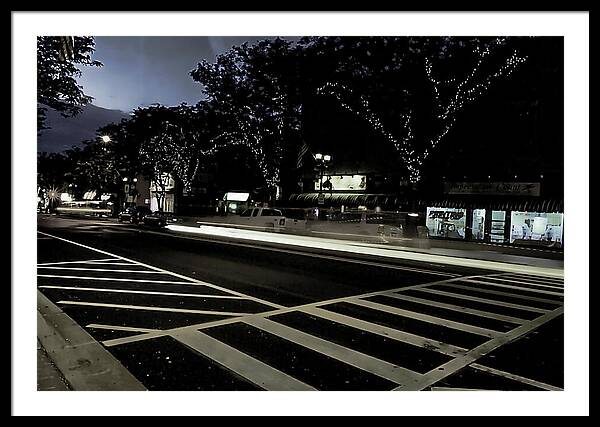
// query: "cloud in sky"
[[139, 71]]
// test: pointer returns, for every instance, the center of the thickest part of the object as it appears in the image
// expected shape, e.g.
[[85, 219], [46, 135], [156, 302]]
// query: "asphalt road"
[[186, 313]]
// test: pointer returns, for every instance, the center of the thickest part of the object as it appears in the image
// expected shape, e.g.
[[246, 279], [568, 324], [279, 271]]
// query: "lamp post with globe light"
[[322, 162]]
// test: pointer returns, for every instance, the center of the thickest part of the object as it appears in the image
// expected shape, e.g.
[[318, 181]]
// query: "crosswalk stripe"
[[527, 281], [254, 370], [150, 308], [458, 363], [458, 308], [385, 331], [515, 377], [521, 282], [128, 291], [483, 300], [89, 261], [533, 278], [120, 328], [112, 279], [381, 368], [98, 269], [500, 285], [507, 294], [130, 264], [427, 318]]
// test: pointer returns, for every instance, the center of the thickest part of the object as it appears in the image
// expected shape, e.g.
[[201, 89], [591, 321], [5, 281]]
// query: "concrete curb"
[[84, 363]]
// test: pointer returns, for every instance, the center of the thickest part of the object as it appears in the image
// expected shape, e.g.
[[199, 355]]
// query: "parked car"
[[134, 214], [272, 219], [155, 219]]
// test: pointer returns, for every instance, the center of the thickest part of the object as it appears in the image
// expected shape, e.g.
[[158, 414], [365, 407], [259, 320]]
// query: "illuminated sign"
[[342, 183], [236, 197], [494, 188], [446, 222]]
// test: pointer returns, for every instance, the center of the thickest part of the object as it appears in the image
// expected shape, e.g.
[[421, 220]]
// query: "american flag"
[[301, 154]]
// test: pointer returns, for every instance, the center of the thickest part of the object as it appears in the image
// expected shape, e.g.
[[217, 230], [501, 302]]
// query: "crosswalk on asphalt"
[[408, 338]]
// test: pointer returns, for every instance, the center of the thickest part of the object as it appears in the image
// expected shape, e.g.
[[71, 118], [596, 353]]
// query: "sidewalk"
[[369, 249], [67, 354], [365, 237], [49, 378]]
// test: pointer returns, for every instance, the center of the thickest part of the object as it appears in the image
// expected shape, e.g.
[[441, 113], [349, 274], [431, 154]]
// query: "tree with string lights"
[[248, 89], [436, 78]]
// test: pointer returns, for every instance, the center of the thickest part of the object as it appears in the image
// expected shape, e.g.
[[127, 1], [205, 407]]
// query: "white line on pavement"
[[483, 300], [111, 279], [427, 318], [181, 276], [127, 291], [254, 370], [521, 282], [120, 328], [500, 285], [384, 331], [375, 366], [149, 308], [519, 378], [506, 294], [88, 261], [98, 269], [458, 308], [473, 355], [409, 337]]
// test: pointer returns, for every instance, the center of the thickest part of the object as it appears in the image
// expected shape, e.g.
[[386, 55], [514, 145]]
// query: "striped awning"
[[387, 201]]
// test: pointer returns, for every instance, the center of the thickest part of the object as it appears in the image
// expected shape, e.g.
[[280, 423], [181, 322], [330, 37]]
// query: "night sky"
[[139, 71]]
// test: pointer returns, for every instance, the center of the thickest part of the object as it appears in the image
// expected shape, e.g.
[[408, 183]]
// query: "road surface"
[[191, 313]]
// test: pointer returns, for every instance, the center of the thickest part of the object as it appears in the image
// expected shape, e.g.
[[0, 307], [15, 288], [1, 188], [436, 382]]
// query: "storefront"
[[449, 223], [536, 226], [163, 193], [531, 222]]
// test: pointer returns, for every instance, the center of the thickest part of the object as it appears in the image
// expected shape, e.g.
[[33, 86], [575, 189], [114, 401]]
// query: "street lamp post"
[[322, 161]]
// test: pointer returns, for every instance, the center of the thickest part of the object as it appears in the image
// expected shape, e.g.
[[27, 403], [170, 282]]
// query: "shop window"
[[478, 226], [536, 226], [448, 223]]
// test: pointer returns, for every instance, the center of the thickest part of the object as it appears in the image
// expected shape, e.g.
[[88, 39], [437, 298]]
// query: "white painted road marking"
[[114, 279], [519, 378], [427, 318], [98, 269], [483, 300], [150, 308], [457, 308], [88, 261], [248, 367], [120, 328], [189, 280], [500, 285], [473, 355], [272, 379], [385, 331], [128, 291], [381, 368]]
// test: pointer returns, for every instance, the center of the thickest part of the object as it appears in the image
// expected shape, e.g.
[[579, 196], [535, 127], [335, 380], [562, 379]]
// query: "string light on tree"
[[461, 92]]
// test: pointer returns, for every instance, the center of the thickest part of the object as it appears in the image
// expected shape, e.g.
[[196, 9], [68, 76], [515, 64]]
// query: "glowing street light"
[[105, 138], [322, 160]]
